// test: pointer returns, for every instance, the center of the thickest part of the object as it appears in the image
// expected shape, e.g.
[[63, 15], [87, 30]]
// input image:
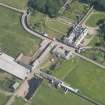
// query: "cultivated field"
[[13, 38]]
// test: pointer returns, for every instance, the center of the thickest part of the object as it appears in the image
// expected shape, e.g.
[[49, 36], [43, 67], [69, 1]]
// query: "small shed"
[[15, 85]]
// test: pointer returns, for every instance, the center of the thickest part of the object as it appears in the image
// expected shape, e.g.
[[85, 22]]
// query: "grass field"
[[3, 99], [48, 95], [60, 27], [19, 101], [83, 75], [76, 9], [95, 18], [63, 69], [13, 38], [88, 78], [20, 4], [43, 23]]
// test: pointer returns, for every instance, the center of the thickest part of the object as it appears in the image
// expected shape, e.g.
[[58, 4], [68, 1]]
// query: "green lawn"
[[63, 69], [20, 4], [94, 41], [88, 78], [95, 18], [42, 23], [76, 8], [58, 26], [19, 101], [3, 99], [83, 75], [13, 38], [48, 95]]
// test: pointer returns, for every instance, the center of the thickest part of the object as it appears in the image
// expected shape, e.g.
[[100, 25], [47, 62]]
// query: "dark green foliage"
[[50, 7], [86, 1], [101, 30], [98, 4]]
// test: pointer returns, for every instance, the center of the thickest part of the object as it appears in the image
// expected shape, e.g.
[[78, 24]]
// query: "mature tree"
[[101, 30], [37, 4], [87, 1], [50, 7], [100, 4]]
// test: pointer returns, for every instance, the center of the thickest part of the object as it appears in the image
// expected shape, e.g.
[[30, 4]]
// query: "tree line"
[[98, 4], [49, 7]]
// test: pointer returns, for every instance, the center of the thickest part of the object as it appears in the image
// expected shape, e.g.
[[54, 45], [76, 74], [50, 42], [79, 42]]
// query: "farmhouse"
[[8, 64], [76, 36]]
